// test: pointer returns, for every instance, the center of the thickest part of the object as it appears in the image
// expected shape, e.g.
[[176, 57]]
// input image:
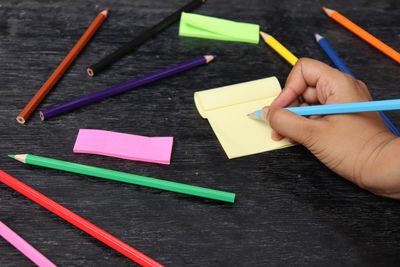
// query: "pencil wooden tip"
[[41, 116], [210, 57], [105, 12], [317, 36], [20, 157], [255, 115], [252, 115], [20, 120], [264, 35], [90, 72], [327, 11], [259, 115]]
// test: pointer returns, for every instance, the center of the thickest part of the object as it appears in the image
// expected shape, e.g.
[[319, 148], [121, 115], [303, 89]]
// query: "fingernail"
[[276, 136], [264, 113]]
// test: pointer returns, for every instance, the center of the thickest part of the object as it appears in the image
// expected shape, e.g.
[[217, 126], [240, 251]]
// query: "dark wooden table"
[[290, 210]]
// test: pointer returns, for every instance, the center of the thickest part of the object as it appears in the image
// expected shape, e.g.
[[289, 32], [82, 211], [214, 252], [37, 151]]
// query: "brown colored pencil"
[[48, 85]]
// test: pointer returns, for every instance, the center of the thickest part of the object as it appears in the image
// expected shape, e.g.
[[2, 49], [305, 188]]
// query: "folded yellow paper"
[[226, 109]]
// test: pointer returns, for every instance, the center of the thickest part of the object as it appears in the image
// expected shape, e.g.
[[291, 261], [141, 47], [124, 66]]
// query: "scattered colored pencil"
[[125, 177], [369, 38], [56, 110], [279, 48], [49, 84], [78, 221], [356, 107], [24, 247], [342, 67], [143, 37], [332, 54]]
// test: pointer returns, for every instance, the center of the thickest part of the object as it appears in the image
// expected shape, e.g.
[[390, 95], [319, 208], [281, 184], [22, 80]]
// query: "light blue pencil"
[[342, 67], [356, 107]]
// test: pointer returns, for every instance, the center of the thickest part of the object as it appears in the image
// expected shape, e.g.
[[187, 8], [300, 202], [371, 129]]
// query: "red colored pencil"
[[78, 221], [64, 65]]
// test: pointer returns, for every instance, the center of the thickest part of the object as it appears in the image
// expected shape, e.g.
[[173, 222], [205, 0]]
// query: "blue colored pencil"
[[355, 107], [342, 67], [332, 54]]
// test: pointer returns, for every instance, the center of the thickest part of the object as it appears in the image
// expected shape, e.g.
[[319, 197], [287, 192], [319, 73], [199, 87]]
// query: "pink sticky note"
[[126, 146], [19, 243]]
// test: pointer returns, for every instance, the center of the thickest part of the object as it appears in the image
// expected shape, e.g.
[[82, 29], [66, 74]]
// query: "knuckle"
[[302, 61], [361, 84]]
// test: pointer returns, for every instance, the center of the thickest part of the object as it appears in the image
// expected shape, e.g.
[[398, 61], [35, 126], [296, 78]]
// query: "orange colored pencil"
[[372, 40], [48, 85]]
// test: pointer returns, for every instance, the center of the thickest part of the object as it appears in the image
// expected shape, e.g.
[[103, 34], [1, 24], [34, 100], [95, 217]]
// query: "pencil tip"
[[317, 36], [264, 35], [19, 157], [327, 11], [210, 57], [257, 115], [105, 12]]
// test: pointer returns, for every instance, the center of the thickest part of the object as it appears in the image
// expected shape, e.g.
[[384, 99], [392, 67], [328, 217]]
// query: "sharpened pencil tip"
[[257, 115], [19, 157], [105, 12], [264, 35], [209, 58], [317, 36], [327, 11]]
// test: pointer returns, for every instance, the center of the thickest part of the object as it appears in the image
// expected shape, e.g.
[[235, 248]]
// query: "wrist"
[[381, 174]]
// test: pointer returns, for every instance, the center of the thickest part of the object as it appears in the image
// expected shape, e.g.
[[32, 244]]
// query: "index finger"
[[305, 74]]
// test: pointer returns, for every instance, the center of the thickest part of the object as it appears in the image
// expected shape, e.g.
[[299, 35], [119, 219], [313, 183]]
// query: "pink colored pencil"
[[19, 243]]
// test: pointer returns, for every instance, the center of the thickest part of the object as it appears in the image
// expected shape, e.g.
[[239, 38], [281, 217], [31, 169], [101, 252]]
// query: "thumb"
[[291, 125]]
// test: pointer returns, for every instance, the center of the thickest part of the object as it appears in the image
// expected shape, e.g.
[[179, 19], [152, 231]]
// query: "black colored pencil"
[[128, 47]]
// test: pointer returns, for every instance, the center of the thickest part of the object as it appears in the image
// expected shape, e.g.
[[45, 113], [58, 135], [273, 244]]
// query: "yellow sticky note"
[[226, 109]]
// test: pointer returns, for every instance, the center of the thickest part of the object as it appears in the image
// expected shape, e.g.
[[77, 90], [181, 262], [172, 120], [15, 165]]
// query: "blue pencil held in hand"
[[339, 108]]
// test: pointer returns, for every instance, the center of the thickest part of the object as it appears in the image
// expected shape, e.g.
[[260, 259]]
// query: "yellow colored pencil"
[[278, 47]]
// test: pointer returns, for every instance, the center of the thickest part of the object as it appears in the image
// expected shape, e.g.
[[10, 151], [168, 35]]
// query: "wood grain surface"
[[290, 210]]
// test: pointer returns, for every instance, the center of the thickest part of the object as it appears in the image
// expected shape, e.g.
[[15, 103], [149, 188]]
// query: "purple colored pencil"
[[120, 88]]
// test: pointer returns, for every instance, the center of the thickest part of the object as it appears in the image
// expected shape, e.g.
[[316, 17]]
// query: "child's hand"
[[357, 146]]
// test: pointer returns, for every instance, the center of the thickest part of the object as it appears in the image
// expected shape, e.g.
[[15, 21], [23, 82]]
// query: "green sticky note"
[[194, 25]]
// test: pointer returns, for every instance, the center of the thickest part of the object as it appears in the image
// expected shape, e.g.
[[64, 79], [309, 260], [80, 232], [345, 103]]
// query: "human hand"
[[357, 146]]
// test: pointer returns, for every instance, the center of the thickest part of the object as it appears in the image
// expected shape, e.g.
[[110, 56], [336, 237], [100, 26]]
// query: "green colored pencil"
[[125, 177]]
